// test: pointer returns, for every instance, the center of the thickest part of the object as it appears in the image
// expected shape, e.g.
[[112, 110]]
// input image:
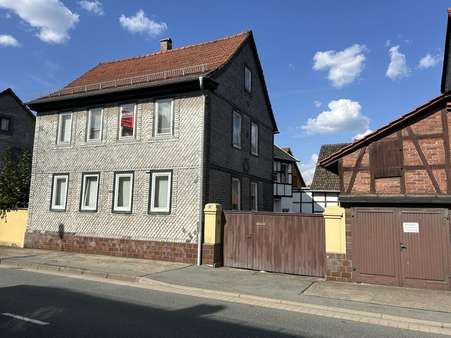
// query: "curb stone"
[[313, 309]]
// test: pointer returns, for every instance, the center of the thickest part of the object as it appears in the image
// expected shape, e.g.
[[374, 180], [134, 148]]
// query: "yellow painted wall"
[[12, 228], [212, 223], [335, 230]]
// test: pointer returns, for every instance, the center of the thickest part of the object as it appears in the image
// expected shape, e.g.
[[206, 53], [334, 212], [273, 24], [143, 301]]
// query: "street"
[[39, 305]]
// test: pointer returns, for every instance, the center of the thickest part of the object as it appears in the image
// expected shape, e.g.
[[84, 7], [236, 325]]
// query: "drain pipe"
[[200, 228]]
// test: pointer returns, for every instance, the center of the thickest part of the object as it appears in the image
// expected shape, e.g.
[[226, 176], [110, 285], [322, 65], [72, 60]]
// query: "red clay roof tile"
[[199, 58]]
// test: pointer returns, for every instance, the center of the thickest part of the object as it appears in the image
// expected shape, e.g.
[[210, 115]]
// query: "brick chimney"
[[165, 44]]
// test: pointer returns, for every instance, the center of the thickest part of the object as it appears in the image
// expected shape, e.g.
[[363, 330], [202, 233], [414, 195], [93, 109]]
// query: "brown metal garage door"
[[406, 247], [287, 243]]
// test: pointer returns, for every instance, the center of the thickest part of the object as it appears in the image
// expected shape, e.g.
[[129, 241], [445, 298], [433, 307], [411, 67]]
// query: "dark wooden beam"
[[402, 180], [356, 169], [423, 160], [446, 146]]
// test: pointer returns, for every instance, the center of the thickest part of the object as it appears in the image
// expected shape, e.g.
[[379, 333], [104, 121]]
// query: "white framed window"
[[89, 192], [236, 130], [60, 184], [247, 79], [123, 192], [164, 117], [254, 196], [236, 193], [95, 123], [160, 192], [64, 128], [127, 120], [254, 139]]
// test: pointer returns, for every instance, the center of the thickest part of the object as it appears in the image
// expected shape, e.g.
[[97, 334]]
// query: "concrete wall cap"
[[213, 207]]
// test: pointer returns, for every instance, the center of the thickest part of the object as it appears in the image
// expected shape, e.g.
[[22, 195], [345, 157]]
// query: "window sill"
[[236, 147], [122, 212], [57, 210]]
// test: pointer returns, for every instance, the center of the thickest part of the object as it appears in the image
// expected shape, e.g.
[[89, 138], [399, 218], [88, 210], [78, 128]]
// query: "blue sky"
[[334, 69]]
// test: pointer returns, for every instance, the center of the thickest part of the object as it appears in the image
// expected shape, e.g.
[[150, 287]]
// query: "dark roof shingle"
[[324, 179], [280, 154]]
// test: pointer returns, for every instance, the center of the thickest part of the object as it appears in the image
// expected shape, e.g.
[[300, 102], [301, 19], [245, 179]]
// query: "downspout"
[[200, 228]]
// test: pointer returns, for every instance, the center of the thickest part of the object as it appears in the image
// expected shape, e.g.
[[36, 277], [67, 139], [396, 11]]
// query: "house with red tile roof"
[[127, 155]]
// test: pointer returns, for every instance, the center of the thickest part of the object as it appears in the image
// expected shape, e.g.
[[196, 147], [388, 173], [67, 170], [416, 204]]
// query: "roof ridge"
[[177, 49]]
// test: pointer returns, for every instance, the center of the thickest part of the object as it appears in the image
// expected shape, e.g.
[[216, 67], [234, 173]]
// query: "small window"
[[283, 173], [254, 138], [236, 194], [247, 79], [236, 130], [160, 192], [127, 120], [386, 158], [5, 124], [89, 192], [164, 117], [95, 120], [254, 196], [65, 128], [59, 192], [123, 192]]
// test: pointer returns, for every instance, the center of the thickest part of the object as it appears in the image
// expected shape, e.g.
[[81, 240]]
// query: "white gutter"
[[200, 228]]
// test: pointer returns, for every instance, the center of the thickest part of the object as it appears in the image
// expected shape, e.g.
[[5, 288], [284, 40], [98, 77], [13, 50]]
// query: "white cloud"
[[140, 23], [344, 115], [362, 135], [429, 61], [95, 7], [344, 66], [8, 41], [398, 65], [317, 103], [52, 19], [308, 169]]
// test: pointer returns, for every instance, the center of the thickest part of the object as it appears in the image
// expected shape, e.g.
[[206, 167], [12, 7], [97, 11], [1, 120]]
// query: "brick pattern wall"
[[431, 140], [180, 153], [22, 133], [165, 251]]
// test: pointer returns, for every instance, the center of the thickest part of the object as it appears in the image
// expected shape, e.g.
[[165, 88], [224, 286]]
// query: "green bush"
[[15, 174]]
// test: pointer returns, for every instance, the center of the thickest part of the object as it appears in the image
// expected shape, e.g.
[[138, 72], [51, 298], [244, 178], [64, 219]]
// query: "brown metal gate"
[[286, 243], [406, 247]]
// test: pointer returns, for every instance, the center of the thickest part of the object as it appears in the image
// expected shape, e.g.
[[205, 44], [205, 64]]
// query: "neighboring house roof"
[[10, 92], [446, 72], [418, 113], [324, 179], [280, 154]]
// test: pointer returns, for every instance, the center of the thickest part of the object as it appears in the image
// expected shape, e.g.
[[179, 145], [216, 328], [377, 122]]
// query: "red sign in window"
[[127, 119]]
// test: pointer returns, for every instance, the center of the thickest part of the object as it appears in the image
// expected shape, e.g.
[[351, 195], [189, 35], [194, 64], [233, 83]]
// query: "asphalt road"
[[39, 305]]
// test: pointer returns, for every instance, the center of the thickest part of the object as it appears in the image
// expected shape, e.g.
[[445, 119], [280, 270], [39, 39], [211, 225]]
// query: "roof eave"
[[120, 93], [384, 131]]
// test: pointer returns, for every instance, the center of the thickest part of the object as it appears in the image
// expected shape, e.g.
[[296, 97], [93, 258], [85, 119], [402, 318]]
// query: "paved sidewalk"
[[410, 303], [96, 264]]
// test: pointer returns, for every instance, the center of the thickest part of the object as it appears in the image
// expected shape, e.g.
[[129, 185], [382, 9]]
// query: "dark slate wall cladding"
[[226, 161], [22, 132]]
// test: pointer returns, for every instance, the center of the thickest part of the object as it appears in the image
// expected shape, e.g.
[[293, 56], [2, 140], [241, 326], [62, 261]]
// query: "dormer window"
[[247, 79]]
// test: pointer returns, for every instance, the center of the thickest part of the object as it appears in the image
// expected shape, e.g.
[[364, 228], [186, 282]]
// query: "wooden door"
[[423, 248], [375, 246]]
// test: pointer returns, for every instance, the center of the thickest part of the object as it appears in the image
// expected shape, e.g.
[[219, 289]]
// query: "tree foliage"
[[15, 174]]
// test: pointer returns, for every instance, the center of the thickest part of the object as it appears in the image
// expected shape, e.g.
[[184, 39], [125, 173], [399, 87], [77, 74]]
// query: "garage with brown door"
[[404, 247], [395, 185]]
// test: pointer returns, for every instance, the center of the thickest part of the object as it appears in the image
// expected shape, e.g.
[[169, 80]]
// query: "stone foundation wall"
[[165, 251], [339, 268]]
